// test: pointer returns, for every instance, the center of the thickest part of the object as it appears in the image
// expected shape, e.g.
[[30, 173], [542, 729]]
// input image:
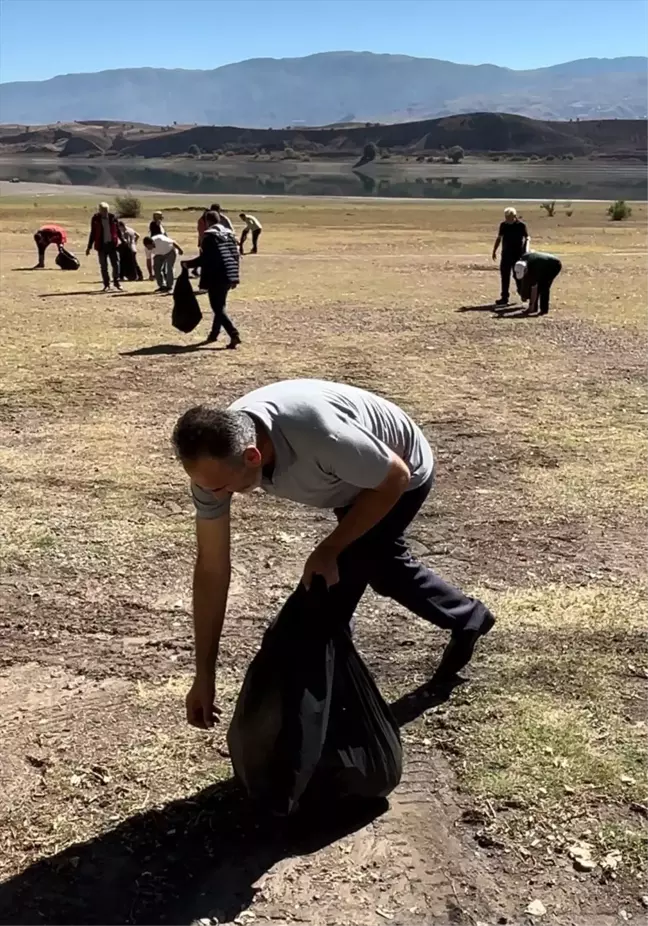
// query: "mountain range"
[[333, 87]]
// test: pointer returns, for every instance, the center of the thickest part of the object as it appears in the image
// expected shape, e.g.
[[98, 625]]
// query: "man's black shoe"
[[459, 652]]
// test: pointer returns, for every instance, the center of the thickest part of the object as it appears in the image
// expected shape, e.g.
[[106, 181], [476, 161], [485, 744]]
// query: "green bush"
[[456, 154], [619, 211], [128, 207], [549, 208]]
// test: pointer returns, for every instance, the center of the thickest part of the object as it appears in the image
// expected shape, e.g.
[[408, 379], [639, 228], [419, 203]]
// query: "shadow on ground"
[[157, 349], [196, 857]]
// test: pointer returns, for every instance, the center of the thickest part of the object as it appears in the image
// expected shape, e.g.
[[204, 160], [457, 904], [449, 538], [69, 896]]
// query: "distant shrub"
[[290, 154], [495, 158], [550, 157], [456, 154], [534, 157], [569, 157], [569, 213], [517, 157], [549, 208], [385, 155], [420, 159], [619, 211], [194, 150], [128, 207]]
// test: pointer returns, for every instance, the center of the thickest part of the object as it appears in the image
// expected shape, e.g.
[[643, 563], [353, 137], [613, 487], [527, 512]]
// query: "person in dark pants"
[[46, 235], [104, 237], [514, 239], [534, 274], [219, 264], [253, 225], [326, 445]]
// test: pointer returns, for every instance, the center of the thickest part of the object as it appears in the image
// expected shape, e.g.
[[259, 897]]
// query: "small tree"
[[619, 211], [549, 208], [128, 207], [194, 150], [456, 154]]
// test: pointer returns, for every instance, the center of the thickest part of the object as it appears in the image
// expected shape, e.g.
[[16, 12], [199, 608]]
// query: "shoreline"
[[17, 191]]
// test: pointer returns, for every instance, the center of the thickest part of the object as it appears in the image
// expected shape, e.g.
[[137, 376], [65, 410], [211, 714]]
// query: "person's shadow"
[[160, 349], [195, 857]]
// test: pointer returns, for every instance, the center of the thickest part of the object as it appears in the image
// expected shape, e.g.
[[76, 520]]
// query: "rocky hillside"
[[476, 133], [333, 87]]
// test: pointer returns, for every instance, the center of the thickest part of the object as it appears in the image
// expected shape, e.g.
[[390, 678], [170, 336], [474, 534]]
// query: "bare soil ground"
[[113, 811]]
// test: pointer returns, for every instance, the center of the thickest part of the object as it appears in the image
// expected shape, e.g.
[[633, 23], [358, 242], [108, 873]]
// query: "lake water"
[[471, 180]]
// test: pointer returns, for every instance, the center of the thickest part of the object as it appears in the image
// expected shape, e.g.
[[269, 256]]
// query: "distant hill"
[[333, 87], [476, 133]]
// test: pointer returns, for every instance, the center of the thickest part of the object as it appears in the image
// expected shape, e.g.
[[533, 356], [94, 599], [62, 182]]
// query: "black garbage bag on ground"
[[310, 723], [186, 311], [66, 260], [127, 262]]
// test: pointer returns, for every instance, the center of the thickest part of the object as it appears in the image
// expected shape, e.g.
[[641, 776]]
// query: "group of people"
[[217, 262], [533, 271]]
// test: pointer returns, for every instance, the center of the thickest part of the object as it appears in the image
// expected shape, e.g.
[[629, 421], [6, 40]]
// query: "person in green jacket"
[[534, 274]]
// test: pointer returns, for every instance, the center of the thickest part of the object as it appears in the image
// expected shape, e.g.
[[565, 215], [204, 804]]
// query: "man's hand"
[[494, 255], [87, 252], [321, 562], [201, 708]]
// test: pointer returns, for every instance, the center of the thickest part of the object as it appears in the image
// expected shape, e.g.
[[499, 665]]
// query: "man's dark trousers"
[[217, 300], [108, 252], [381, 559], [507, 263], [544, 290]]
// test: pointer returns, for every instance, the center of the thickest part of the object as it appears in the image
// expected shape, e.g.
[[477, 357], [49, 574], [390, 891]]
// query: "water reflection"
[[313, 180]]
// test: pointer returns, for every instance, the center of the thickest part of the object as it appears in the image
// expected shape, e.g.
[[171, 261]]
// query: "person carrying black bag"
[[325, 445], [219, 264]]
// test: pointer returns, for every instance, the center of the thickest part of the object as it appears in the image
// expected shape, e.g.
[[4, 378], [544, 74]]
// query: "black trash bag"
[[66, 260], [127, 262], [310, 722], [362, 755], [186, 311]]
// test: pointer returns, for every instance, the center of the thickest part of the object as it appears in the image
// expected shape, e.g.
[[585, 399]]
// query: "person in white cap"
[[534, 274], [105, 238], [514, 239]]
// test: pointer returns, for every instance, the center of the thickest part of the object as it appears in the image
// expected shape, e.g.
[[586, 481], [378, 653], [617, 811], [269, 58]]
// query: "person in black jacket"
[[514, 238], [219, 264]]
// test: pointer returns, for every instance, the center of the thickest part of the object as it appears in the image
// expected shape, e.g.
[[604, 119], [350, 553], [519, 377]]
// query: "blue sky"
[[42, 38]]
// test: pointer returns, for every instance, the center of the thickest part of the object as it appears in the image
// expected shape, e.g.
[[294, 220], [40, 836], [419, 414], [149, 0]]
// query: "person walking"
[[514, 239], [534, 274], [155, 228], [253, 225], [162, 250], [105, 239], [129, 268], [325, 445], [220, 272], [46, 235]]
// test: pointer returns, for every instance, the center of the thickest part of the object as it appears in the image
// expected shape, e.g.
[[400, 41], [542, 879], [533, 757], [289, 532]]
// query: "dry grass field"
[[113, 810]]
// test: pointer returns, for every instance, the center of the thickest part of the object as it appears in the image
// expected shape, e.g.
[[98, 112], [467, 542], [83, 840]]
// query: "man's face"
[[224, 476], [509, 218], [158, 216], [103, 210]]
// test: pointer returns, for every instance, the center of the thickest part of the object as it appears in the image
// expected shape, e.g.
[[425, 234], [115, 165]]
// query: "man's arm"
[[370, 507], [498, 241], [210, 589], [90, 238], [177, 247]]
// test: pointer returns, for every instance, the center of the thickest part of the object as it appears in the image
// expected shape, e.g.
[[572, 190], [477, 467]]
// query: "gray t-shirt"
[[331, 441]]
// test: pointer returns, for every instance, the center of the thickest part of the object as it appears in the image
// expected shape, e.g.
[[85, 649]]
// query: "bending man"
[[328, 446]]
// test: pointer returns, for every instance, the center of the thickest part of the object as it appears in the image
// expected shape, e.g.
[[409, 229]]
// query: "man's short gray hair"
[[205, 431], [510, 211]]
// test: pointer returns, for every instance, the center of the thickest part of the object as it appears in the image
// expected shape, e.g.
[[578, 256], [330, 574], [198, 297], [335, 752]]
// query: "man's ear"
[[252, 456]]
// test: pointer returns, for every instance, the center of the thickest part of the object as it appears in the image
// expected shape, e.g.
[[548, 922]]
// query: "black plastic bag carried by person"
[[310, 722], [186, 311], [66, 260]]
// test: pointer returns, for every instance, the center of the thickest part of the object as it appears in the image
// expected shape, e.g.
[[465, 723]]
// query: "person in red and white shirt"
[[46, 235]]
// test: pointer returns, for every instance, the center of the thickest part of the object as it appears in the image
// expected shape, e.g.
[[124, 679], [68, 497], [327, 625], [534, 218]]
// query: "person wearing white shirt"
[[253, 225], [162, 250]]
